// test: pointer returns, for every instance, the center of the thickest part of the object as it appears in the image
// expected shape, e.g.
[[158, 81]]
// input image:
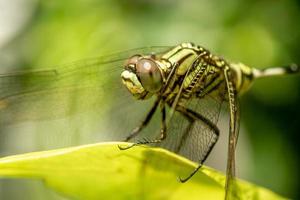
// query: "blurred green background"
[[258, 33]]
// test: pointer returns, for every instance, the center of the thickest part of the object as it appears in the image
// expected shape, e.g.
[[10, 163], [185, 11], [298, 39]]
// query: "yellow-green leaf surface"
[[102, 171]]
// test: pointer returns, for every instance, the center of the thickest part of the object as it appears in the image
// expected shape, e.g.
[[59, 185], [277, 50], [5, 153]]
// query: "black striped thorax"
[[197, 71]]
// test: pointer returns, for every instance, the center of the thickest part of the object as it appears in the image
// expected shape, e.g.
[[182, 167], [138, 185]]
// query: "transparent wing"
[[194, 140], [92, 84]]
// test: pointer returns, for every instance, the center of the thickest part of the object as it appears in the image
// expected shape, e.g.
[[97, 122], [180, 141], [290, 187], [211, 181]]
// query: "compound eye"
[[131, 62], [149, 74]]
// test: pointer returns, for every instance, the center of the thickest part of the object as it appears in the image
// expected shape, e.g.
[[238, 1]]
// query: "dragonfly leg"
[[186, 131], [162, 136], [163, 130], [192, 115], [139, 128], [144, 123]]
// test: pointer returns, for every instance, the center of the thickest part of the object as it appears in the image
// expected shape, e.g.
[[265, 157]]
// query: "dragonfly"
[[186, 84]]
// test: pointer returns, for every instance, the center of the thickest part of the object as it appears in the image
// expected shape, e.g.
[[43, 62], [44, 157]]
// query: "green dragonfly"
[[186, 83]]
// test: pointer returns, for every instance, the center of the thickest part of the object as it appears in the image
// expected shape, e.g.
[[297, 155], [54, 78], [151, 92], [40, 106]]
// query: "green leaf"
[[102, 171]]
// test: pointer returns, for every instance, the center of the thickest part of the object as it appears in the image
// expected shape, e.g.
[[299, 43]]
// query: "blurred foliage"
[[102, 171], [258, 33]]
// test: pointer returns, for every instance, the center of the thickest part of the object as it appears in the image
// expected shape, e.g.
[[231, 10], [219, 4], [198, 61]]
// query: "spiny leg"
[[163, 130], [233, 133], [139, 128], [175, 106], [162, 136], [178, 96], [186, 131], [190, 114]]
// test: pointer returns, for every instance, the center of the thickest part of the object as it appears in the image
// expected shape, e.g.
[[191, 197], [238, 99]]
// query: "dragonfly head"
[[142, 76]]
